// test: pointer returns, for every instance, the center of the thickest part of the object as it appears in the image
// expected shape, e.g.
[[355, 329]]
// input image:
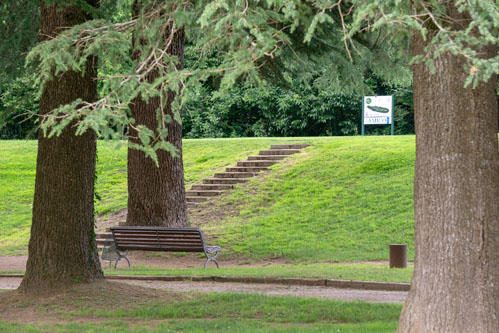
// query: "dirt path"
[[13, 263], [154, 259], [266, 289]]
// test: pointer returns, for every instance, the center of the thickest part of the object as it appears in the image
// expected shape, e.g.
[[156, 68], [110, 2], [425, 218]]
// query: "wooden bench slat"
[[187, 239], [199, 244], [124, 227], [161, 239], [130, 239], [155, 232], [157, 236], [165, 232], [156, 248]]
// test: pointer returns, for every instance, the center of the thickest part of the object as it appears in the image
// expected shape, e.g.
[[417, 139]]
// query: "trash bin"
[[398, 255]]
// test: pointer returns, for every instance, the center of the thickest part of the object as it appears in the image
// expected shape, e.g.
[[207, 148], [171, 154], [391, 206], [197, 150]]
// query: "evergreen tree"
[[19, 24]]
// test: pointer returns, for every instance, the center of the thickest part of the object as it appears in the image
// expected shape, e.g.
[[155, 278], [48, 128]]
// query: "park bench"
[[161, 239]]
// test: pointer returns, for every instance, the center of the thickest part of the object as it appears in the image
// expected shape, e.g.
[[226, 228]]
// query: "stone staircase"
[[224, 181], [100, 238], [239, 173]]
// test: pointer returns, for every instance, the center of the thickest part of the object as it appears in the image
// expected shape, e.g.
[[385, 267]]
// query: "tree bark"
[[156, 195], [455, 286], [62, 245]]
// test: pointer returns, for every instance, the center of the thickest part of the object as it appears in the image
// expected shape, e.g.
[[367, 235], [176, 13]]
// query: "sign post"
[[377, 110]]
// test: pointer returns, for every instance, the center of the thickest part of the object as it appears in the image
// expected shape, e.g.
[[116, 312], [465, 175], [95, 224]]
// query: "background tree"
[[19, 106], [156, 192], [297, 110], [18, 27], [62, 247], [19, 23]]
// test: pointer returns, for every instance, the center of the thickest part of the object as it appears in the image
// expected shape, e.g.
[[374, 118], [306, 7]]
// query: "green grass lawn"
[[17, 181], [197, 312], [202, 158], [362, 272], [352, 271], [345, 199]]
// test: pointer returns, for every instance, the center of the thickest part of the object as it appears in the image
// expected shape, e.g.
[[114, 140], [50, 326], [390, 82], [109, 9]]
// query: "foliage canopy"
[[321, 44], [256, 42]]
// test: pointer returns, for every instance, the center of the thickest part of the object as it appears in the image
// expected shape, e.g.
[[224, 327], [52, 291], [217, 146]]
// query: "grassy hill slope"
[[342, 199]]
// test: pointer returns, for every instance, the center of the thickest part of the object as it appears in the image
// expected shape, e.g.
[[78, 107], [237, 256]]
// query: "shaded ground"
[[13, 263], [45, 309], [116, 307]]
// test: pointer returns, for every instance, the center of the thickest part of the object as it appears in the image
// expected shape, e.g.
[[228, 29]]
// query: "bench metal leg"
[[116, 263], [213, 258], [124, 256], [128, 261]]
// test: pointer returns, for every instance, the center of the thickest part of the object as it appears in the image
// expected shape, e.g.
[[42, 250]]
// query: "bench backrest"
[[158, 239]]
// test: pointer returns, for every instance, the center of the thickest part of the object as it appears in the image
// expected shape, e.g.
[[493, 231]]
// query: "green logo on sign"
[[368, 101]]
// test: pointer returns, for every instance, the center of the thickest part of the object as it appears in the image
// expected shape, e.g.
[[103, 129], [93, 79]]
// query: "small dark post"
[[398, 255]]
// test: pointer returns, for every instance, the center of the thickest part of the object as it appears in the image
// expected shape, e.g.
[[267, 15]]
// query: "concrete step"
[[234, 175], [290, 146], [267, 157], [279, 151], [245, 169], [224, 181], [100, 241], [212, 187], [102, 234], [196, 199], [261, 163], [202, 193]]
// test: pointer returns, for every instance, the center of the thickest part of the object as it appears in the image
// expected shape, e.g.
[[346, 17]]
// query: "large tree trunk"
[[156, 195], [455, 287], [62, 245]]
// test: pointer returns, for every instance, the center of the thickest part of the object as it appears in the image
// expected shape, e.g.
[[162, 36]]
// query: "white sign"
[[378, 110]]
